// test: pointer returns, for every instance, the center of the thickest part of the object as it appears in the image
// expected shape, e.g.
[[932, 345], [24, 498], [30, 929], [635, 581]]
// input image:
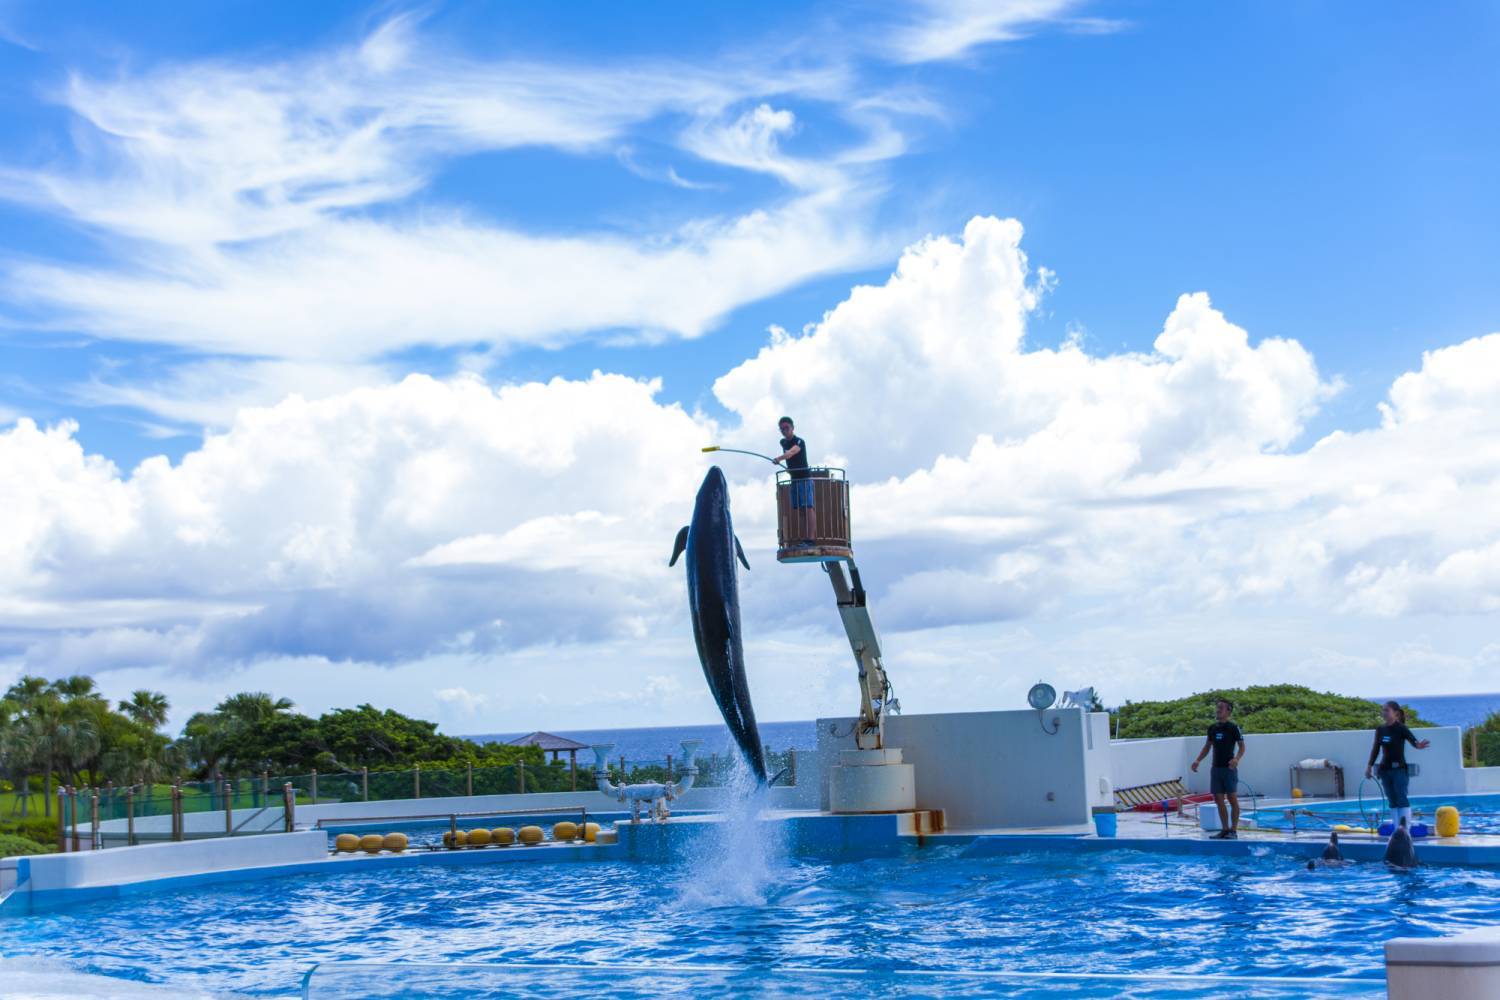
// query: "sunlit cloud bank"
[[1013, 502]]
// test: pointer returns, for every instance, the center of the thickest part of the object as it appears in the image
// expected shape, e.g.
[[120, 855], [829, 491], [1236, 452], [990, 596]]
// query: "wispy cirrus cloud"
[[266, 210], [937, 30]]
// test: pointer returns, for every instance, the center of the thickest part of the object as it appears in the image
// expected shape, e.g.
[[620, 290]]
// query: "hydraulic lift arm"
[[874, 686]]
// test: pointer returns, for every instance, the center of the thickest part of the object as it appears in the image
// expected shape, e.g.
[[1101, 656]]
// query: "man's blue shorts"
[[802, 493], [1395, 781], [1223, 780]]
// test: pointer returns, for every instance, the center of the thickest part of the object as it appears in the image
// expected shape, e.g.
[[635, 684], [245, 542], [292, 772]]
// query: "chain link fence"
[[257, 803]]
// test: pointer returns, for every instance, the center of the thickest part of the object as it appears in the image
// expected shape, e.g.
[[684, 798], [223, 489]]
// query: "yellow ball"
[[479, 837], [1296, 793], [346, 842], [371, 843], [590, 832], [395, 842], [503, 835], [1447, 821], [531, 835], [564, 831]]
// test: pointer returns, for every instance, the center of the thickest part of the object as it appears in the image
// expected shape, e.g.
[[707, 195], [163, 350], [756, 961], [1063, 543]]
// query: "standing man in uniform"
[[1228, 746], [794, 456]]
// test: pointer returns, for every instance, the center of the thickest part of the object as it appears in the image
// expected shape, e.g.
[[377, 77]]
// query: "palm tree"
[[146, 708], [17, 752], [252, 708]]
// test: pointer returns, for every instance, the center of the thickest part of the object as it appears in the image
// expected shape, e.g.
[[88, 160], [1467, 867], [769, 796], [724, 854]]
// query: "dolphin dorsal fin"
[[678, 546], [740, 552]]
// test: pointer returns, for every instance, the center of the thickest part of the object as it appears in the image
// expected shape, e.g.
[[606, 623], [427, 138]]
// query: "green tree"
[[1486, 738], [1276, 708], [365, 736], [146, 708]]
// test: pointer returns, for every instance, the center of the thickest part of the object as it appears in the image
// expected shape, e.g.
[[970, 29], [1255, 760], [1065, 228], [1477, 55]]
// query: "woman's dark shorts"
[[1395, 780], [1223, 780]]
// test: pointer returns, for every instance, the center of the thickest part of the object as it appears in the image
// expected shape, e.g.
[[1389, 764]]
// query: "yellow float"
[[504, 836], [565, 831], [371, 843], [531, 835], [1296, 793], [395, 842], [479, 837], [1447, 821], [347, 843]]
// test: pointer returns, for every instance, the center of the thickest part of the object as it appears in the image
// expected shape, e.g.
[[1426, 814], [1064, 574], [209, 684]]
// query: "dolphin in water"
[[1400, 852], [1331, 853], [714, 600]]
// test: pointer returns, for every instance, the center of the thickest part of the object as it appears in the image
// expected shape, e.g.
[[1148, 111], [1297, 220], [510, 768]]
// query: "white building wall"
[[991, 770], [150, 861], [1270, 756]]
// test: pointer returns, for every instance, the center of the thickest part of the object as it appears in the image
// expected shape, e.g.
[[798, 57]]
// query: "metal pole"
[[96, 839], [228, 808], [364, 783], [573, 768], [73, 795], [314, 786], [793, 754], [289, 806], [469, 780], [521, 771], [416, 782], [265, 788], [62, 821], [130, 816]]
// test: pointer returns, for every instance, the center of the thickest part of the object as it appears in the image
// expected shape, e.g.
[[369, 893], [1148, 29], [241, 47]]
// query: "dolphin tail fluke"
[[678, 547], [738, 552]]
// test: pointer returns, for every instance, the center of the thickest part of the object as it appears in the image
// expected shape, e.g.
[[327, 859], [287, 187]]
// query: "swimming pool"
[[1477, 813], [932, 910]]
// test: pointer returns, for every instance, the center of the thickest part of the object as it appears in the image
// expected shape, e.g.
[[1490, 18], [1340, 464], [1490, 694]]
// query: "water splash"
[[741, 860]]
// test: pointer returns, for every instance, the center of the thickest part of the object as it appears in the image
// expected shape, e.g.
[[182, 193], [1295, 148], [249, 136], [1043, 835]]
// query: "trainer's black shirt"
[[1390, 745], [798, 462], [1222, 736]]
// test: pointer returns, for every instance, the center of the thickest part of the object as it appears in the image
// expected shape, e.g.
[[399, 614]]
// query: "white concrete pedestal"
[[1465, 966], [872, 781]]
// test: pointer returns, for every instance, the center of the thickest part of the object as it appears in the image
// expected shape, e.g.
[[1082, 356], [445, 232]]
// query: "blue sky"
[[204, 211]]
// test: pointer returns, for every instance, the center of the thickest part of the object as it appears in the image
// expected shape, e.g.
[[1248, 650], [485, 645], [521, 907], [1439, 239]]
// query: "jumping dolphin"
[[714, 599], [1400, 852]]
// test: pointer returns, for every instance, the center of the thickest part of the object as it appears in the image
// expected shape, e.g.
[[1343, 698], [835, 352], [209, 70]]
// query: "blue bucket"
[[1105, 824]]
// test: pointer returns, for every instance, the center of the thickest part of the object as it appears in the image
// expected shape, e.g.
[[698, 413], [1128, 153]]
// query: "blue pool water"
[[1109, 912], [1477, 813]]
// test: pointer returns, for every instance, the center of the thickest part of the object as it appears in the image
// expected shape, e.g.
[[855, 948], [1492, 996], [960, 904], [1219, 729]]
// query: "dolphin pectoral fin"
[[678, 546], [740, 553]]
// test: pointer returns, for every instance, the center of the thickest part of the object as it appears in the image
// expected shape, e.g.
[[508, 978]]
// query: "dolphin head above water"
[[714, 601], [1332, 852], [1400, 852]]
